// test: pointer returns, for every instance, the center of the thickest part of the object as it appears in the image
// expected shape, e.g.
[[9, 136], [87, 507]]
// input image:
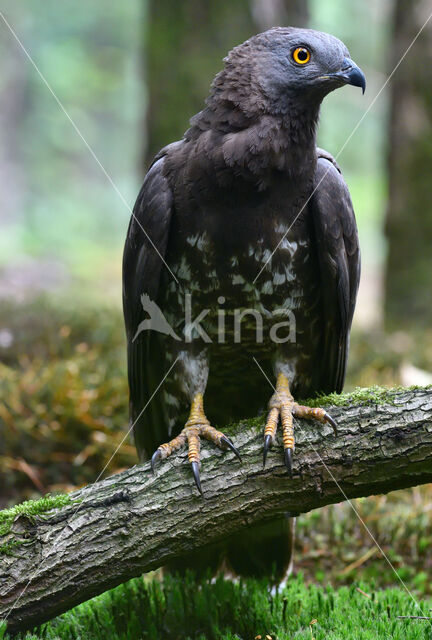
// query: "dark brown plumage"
[[227, 204]]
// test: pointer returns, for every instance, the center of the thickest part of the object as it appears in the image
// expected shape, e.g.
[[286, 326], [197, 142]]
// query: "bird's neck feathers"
[[252, 134]]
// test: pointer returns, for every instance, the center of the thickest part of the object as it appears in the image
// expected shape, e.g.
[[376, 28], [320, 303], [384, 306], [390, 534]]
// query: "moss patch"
[[224, 610], [6, 549], [368, 395], [28, 509], [359, 396]]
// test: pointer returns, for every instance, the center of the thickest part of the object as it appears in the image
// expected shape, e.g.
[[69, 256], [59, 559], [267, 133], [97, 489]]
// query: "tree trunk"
[[409, 218], [186, 42], [134, 522], [13, 110]]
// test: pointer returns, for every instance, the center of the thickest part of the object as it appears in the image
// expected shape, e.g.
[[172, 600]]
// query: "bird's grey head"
[[289, 64]]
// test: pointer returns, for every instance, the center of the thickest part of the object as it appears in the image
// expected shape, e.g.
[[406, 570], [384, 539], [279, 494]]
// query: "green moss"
[[359, 396], [30, 509], [249, 423], [368, 396], [6, 549], [224, 610]]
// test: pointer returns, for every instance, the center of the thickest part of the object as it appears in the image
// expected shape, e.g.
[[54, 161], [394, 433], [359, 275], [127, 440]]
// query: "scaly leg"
[[282, 405], [195, 428]]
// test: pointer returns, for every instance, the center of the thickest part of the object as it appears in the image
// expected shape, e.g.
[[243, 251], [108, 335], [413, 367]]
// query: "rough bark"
[[134, 522], [409, 217], [185, 44]]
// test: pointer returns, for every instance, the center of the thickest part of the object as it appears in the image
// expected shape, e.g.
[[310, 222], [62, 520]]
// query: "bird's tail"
[[264, 550]]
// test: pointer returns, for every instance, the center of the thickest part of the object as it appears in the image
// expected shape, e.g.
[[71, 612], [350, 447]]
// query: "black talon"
[[156, 456], [288, 460], [229, 444], [330, 420], [196, 475], [267, 443]]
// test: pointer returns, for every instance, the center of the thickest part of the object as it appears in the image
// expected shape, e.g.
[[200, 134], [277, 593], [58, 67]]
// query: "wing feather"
[[142, 267], [339, 259]]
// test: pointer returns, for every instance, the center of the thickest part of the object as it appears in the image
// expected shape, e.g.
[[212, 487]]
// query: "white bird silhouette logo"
[[156, 321]]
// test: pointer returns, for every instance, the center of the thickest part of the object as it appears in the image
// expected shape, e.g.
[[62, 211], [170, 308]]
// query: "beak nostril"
[[351, 74], [347, 65]]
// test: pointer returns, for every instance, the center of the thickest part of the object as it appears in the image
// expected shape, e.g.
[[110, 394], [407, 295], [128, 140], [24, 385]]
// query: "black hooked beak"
[[351, 74]]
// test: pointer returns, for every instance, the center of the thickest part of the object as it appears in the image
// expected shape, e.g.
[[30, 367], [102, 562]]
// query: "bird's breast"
[[229, 262]]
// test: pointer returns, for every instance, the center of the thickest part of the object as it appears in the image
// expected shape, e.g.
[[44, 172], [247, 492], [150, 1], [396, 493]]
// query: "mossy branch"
[[134, 522]]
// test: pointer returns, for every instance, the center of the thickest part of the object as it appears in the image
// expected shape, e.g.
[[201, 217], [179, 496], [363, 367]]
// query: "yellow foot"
[[282, 405], [195, 428]]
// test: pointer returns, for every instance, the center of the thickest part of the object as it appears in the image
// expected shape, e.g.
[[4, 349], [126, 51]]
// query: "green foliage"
[[182, 608], [334, 543], [64, 396]]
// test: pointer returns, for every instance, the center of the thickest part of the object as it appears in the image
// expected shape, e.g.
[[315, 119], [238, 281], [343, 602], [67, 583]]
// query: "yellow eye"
[[301, 55]]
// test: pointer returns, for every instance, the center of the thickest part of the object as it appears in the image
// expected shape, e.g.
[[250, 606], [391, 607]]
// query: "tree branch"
[[134, 522]]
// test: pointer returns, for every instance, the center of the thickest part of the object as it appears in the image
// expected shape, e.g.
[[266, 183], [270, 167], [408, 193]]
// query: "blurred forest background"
[[129, 76]]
